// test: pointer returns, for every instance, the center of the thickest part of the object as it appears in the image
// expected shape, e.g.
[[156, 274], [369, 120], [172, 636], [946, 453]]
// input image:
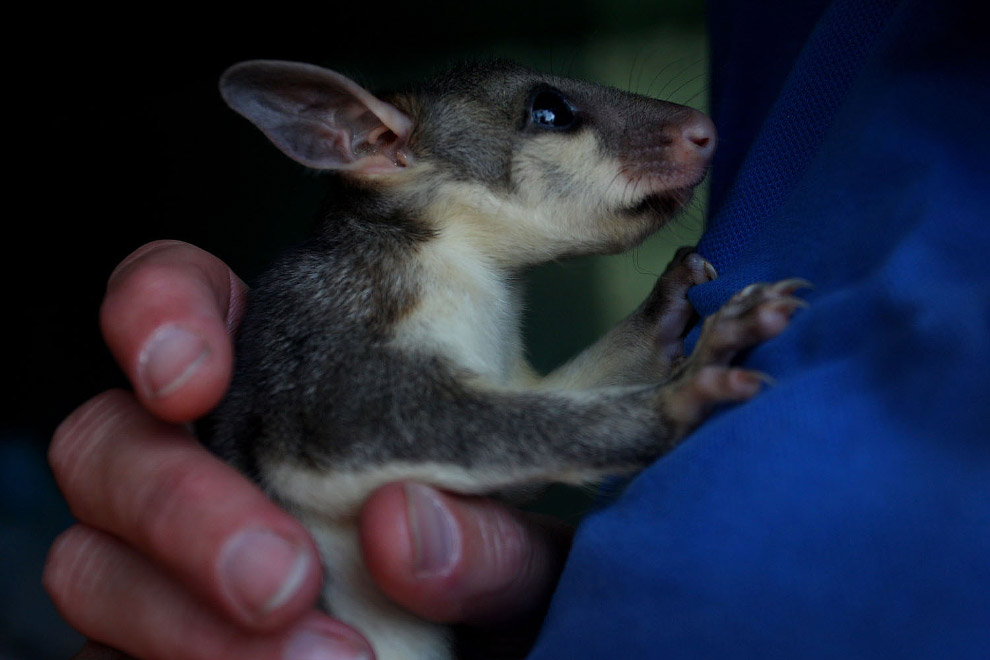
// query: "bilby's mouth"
[[664, 204], [665, 189]]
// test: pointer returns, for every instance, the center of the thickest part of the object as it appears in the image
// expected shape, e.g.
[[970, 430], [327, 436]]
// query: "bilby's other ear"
[[318, 117]]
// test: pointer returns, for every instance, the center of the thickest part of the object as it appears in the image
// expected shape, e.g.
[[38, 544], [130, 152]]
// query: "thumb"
[[460, 559], [167, 316]]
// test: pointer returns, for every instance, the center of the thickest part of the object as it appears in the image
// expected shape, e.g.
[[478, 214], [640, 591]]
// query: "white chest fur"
[[469, 312]]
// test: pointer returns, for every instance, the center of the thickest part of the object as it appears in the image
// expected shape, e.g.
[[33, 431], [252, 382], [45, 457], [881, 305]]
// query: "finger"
[[460, 559], [95, 651], [152, 485], [112, 595], [166, 317]]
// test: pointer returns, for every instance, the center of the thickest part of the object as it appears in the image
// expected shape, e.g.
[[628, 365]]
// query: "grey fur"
[[315, 377], [324, 381]]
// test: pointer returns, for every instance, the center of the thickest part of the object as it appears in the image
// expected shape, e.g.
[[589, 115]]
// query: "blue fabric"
[[845, 512]]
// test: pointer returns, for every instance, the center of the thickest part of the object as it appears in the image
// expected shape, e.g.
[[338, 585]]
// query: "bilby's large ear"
[[317, 117]]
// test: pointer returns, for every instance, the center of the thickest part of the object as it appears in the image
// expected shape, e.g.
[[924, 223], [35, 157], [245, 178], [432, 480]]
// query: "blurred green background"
[[126, 140]]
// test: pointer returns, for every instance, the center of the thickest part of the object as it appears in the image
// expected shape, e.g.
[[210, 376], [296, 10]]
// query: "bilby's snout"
[[670, 157], [696, 143]]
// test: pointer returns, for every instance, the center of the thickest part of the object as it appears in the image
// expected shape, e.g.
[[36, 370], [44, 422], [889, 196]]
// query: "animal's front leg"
[[645, 346]]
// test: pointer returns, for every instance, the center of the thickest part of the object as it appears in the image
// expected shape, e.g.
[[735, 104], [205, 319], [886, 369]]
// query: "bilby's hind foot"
[[757, 313]]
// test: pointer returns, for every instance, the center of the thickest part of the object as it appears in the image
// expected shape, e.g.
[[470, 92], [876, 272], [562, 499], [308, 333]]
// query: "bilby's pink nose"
[[699, 136]]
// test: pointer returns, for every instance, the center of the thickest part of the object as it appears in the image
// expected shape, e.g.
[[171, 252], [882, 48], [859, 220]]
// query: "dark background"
[[120, 137]]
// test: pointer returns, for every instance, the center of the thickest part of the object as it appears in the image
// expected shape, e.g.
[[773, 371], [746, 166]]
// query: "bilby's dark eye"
[[549, 109]]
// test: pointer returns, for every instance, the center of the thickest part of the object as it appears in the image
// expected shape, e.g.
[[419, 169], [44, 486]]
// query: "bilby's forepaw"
[[667, 307], [691, 266], [705, 379]]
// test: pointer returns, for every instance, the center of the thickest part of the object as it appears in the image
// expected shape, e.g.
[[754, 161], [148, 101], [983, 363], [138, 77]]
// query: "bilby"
[[388, 346]]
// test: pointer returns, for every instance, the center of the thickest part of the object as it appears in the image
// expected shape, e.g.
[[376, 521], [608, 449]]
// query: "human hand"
[[176, 555]]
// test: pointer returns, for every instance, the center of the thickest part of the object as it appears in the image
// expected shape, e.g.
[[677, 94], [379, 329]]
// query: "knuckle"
[[141, 255], [53, 575], [74, 450], [508, 548], [203, 639], [143, 277], [158, 280], [164, 502], [72, 567]]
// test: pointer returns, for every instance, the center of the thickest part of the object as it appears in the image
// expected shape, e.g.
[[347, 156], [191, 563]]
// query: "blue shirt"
[[845, 511]]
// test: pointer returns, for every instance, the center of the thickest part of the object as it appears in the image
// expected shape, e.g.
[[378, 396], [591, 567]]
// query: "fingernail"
[[169, 358], [320, 645], [262, 571], [435, 538]]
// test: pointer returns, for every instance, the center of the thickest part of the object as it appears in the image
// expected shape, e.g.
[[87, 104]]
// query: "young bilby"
[[388, 346]]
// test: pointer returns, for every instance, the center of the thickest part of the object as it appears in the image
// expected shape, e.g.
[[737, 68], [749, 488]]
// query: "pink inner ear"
[[318, 117], [378, 144], [381, 151]]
